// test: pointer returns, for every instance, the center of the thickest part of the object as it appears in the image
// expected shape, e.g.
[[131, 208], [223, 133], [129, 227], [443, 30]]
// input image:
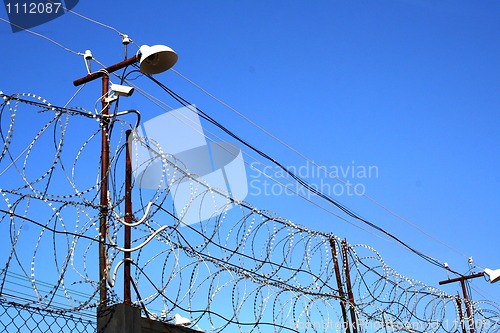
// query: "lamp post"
[[153, 60]]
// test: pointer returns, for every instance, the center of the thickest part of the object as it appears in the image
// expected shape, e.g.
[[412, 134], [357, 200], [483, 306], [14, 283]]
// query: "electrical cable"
[[330, 174], [94, 21], [157, 102], [42, 36], [306, 185]]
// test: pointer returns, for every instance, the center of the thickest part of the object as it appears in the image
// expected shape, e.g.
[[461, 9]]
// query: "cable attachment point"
[[126, 40], [87, 56]]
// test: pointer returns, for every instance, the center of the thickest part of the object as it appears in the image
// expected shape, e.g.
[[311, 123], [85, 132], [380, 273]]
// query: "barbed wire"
[[244, 269]]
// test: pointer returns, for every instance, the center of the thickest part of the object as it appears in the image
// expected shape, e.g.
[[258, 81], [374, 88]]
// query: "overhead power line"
[[302, 182], [320, 167], [42, 36]]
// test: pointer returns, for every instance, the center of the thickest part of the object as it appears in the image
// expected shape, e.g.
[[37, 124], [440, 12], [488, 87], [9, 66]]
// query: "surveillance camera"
[[122, 90]]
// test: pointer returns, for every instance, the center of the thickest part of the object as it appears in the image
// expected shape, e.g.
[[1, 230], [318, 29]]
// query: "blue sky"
[[410, 87]]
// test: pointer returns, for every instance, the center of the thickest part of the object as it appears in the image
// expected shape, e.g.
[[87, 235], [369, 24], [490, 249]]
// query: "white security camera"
[[122, 90]]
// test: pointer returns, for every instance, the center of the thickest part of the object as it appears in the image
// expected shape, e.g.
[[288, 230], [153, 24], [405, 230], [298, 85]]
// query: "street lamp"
[[152, 60], [156, 59], [493, 275]]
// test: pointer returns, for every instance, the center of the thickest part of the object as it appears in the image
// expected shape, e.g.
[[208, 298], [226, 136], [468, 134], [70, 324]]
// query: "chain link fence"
[[16, 317]]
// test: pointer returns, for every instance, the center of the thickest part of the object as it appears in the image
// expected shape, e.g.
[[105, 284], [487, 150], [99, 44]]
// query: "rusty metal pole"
[[127, 295], [106, 71], [349, 288], [470, 313], [461, 279], [103, 211], [339, 284], [103, 219], [460, 313]]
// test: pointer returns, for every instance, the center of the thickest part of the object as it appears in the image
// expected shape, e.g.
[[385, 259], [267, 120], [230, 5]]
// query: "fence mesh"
[[15, 317]]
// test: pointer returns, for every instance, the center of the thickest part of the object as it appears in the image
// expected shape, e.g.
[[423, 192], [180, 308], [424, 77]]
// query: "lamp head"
[[156, 59], [493, 275]]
